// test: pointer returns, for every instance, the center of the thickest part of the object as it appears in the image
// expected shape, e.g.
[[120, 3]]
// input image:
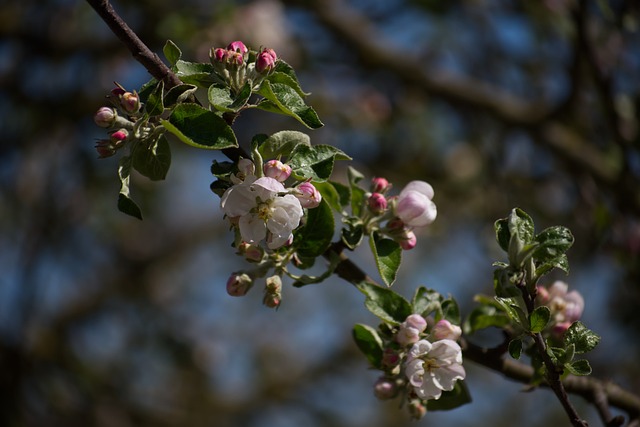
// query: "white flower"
[[263, 211], [434, 367], [415, 207]]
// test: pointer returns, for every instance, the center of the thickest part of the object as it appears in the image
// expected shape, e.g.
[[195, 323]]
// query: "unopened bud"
[[416, 321], [385, 389], [560, 328], [277, 170], [238, 46], [130, 102], [390, 357], [380, 185], [445, 330], [377, 203], [308, 195], [105, 117], [408, 240], [239, 284], [266, 61], [274, 284], [118, 137], [417, 410], [218, 54], [407, 335]]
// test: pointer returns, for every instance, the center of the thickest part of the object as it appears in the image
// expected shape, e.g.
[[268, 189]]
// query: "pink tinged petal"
[[575, 306], [414, 370], [275, 241], [252, 228], [445, 378], [558, 289], [267, 188], [446, 351], [429, 390], [419, 186], [416, 209], [420, 348], [238, 200]]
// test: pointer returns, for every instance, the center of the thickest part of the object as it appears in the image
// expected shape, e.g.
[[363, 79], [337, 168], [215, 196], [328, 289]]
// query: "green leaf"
[[282, 144], [314, 237], [513, 310], [171, 52], [178, 94], [579, 367], [582, 337], [502, 284], [154, 105], [539, 318], [451, 399], [283, 99], [521, 224], [450, 311], [561, 262], [284, 68], [329, 194], [199, 127], [220, 98], [369, 343], [353, 233], [515, 348], [388, 256], [357, 193], [425, 301], [152, 161], [384, 303], [125, 203], [485, 316], [315, 162], [196, 73]]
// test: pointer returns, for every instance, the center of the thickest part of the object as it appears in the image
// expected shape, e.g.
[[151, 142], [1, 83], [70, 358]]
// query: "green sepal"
[[384, 303], [369, 342], [199, 127], [388, 256], [154, 160]]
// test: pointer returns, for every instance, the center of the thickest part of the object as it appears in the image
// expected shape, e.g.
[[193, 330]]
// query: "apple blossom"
[[444, 329], [277, 170], [414, 205], [416, 321], [565, 306], [434, 367], [263, 211], [407, 335], [266, 61], [308, 195]]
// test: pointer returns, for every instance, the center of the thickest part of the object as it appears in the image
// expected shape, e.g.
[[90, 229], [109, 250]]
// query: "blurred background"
[[112, 322]]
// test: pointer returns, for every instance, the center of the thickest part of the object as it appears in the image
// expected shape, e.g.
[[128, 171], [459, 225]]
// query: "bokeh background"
[[112, 322]]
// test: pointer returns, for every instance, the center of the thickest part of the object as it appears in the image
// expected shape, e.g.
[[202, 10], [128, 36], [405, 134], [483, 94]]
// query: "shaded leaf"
[[451, 399], [369, 343], [314, 237], [388, 256], [199, 127], [384, 303], [152, 161], [539, 318]]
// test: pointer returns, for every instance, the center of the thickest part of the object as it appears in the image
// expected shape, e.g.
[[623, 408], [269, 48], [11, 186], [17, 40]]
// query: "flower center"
[[430, 365], [264, 210]]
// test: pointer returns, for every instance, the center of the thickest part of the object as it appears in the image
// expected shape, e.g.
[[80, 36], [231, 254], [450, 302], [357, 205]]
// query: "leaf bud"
[[105, 117]]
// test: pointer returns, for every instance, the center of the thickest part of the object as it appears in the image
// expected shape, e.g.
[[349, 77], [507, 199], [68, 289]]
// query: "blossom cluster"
[[237, 65], [412, 208], [119, 119], [566, 307], [421, 361]]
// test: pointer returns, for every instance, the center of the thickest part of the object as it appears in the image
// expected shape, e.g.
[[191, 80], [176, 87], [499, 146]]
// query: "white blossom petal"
[[252, 228], [267, 188]]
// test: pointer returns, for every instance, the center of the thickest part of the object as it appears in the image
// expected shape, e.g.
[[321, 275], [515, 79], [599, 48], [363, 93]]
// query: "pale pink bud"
[[277, 170], [542, 295], [377, 203], [416, 321], [445, 330], [379, 185], [407, 335], [218, 54], [239, 284], [105, 117], [130, 102], [252, 253], [308, 195], [385, 389], [574, 306], [266, 61], [560, 328], [415, 207], [246, 167], [416, 409], [408, 240], [238, 46]]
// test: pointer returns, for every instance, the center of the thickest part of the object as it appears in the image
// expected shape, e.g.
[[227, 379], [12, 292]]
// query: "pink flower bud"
[[416, 321], [559, 329], [542, 296], [415, 207], [239, 284], [308, 195], [105, 148], [407, 335], [444, 330], [266, 61], [238, 46], [235, 58], [390, 358], [417, 410], [385, 389], [277, 170], [118, 137], [408, 240], [574, 306], [130, 102], [246, 167], [380, 185], [218, 54], [377, 203], [252, 253], [105, 117]]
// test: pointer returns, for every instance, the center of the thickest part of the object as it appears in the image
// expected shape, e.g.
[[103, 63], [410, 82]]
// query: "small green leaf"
[[450, 311], [125, 203], [353, 233], [384, 303], [502, 284], [583, 338], [521, 224], [178, 94], [369, 343], [561, 262], [284, 99], [553, 242], [579, 367], [283, 144], [515, 348], [171, 52], [513, 310], [357, 193], [284, 68], [220, 97], [315, 162], [196, 73], [426, 301], [152, 161], [199, 127], [154, 105], [388, 255], [451, 399], [314, 237], [485, 316], [539, 318]]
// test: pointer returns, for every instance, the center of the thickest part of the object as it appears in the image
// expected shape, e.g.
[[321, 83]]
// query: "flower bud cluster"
[[237, 65], [566, 307], [412, 208], [420, 360]]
